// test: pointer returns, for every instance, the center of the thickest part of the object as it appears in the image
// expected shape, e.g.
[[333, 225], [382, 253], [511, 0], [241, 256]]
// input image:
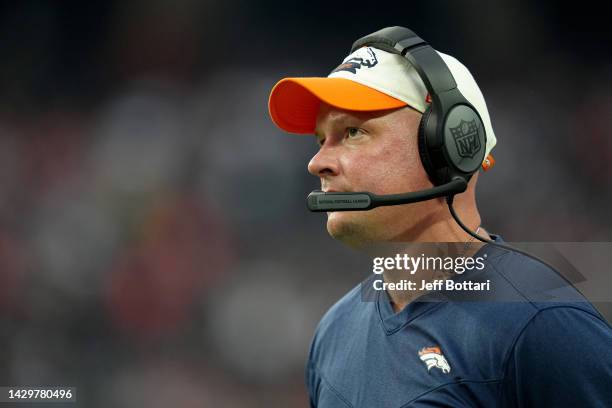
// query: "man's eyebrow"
[[339, 117]]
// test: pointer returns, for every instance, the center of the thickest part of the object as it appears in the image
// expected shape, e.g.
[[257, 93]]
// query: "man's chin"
[[349, 228]]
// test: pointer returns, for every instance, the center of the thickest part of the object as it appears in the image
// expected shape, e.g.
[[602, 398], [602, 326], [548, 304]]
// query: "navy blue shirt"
[[529, 350]]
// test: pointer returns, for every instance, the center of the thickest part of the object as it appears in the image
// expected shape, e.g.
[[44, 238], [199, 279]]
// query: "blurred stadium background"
[[143, 257]]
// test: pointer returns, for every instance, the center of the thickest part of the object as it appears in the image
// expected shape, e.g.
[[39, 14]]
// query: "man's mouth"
[[333, 190]]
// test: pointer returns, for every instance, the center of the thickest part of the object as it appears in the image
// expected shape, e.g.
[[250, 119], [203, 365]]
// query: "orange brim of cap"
[[294, 102]]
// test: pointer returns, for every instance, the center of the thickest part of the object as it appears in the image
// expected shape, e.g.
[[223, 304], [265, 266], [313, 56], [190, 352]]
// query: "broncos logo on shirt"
[[433, 357], [364, 57]]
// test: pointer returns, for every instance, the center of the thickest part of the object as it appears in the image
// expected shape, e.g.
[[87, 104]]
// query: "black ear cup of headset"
[[422, 144], [453, 148]]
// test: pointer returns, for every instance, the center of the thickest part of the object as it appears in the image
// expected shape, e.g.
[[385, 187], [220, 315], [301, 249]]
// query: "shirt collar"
[[393, 322]]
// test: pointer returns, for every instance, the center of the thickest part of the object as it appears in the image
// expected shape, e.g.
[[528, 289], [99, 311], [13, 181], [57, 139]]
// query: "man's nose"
[[324, 163]]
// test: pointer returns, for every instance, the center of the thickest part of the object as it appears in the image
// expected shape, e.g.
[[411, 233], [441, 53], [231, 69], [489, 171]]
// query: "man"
[[537, 347]]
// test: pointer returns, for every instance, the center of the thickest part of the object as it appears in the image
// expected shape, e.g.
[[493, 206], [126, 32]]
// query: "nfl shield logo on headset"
[[466, 138]]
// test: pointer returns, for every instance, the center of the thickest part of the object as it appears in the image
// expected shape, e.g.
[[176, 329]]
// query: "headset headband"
[[400, 40]]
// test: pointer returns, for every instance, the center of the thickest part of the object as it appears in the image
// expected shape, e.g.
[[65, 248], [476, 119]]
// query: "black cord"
[[449, 200]]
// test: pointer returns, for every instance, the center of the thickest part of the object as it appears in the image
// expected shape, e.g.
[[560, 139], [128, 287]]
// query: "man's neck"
[[465, 248]]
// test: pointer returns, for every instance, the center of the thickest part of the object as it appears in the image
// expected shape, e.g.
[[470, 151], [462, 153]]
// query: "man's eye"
[[353, 132]]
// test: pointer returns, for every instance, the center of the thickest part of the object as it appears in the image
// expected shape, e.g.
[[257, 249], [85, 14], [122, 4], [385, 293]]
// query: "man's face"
[[375, 152]]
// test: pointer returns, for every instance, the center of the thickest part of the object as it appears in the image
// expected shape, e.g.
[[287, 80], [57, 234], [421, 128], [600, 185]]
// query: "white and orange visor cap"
[[369, 79]]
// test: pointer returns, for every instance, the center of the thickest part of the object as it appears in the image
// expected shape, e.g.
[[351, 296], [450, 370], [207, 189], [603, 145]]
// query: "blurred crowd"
[[155, 249]]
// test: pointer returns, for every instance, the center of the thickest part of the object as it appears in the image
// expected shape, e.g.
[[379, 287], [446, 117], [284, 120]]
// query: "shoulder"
[[527, 300], [330, 335], [340, 323], [556, 331], [528, 280], [567, 323], [340, 313], [541, 291], [562, 357]]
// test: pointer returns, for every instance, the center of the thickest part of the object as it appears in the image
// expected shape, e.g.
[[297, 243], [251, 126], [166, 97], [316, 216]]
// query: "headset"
[[451, 136]]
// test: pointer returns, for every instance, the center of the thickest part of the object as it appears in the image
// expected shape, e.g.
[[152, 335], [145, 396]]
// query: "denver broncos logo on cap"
[[433, 357], [364, 57]]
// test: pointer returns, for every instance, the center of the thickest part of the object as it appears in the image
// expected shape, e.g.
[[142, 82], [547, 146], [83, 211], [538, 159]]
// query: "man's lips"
[[333, 190]]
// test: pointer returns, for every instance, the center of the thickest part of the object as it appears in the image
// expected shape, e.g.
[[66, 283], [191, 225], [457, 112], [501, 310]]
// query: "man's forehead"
[[330, 116]]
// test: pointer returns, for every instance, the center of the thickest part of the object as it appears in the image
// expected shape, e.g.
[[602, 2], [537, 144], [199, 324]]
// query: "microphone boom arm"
[[318, 201]]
